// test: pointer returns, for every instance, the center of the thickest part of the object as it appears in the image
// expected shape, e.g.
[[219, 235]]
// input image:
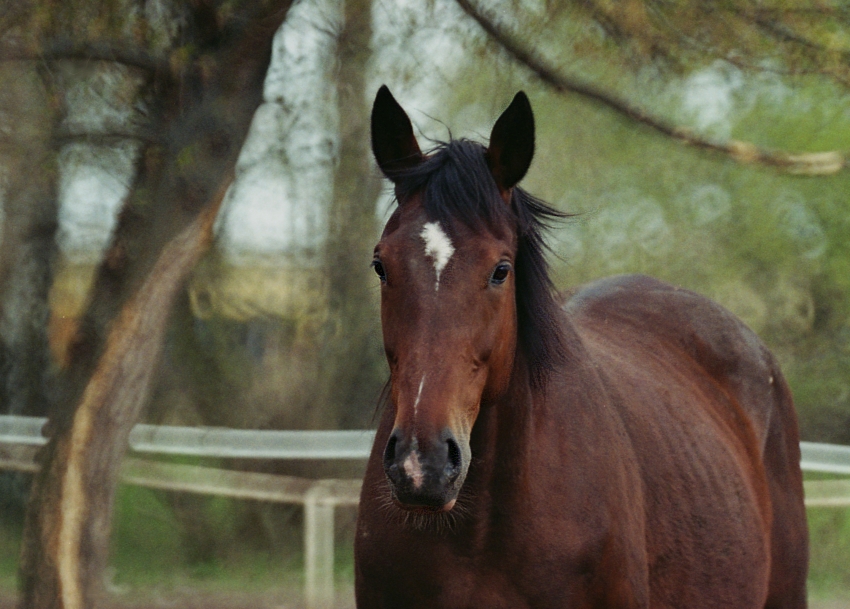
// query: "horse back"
[[712, 425]]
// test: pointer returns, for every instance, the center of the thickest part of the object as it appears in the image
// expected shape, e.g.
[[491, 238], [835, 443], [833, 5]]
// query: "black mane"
[[456, 184]]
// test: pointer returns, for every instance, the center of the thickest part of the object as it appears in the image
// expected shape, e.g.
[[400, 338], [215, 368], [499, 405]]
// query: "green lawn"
[[829, 562], [151, 549]]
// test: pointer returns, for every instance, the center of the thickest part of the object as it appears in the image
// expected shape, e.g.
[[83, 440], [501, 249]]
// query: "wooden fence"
[[20, 438]]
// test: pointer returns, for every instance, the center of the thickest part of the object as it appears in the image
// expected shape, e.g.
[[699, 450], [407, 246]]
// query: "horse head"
[[447, 265]]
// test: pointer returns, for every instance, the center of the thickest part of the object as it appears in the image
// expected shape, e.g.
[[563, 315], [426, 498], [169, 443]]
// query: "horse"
[[634, 445]]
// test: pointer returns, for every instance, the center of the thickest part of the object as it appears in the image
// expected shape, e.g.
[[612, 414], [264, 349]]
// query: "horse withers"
[[635, 447]]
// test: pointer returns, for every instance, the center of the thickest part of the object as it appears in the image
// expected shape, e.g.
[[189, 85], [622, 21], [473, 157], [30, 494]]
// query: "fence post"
[[318, 548]]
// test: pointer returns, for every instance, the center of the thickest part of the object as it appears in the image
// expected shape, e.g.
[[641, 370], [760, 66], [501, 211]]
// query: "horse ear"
[[512, 143], [393, 142]]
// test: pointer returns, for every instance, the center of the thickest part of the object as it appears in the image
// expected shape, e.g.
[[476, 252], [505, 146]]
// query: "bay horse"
[[634, 447]]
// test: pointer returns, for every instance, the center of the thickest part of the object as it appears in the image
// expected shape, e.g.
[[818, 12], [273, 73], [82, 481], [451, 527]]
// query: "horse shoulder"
[[699, 396], [675, 323]]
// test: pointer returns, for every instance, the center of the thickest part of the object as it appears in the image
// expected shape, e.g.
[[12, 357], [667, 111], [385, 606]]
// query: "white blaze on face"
[[413, 469], [418, 397], [438, 247]]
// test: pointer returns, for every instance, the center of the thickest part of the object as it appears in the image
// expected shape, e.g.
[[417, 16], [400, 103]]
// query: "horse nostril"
[[389, 451], [454, 458]]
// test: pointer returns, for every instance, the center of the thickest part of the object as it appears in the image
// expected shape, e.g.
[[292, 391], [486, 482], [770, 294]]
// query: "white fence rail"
[[20, 438], [827, 458], [273, 444], [216, 441]]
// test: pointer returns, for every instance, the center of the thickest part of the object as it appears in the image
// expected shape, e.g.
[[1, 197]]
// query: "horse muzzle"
[[424, 475]]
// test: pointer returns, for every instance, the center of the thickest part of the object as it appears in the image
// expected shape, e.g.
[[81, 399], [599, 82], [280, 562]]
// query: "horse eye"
[[500, 273], [379, 270]]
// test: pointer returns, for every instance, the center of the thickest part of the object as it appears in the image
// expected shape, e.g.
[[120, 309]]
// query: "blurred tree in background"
[[700, 142], [196, 92]]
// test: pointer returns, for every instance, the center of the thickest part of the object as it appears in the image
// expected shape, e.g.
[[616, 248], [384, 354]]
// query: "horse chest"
[[506, 570], [461, 583]]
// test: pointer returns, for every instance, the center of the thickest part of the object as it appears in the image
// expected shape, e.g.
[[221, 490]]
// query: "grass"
[[10, 541], [172, 541], [152, 549], [829, 562]]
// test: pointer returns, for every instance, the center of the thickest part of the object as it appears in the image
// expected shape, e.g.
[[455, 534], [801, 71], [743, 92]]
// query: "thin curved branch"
[[815, 163]]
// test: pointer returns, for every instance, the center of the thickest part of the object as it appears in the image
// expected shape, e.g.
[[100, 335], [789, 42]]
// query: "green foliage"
[[781, 36], [146, 540], [156, 537], [11, 530], [829, 532]]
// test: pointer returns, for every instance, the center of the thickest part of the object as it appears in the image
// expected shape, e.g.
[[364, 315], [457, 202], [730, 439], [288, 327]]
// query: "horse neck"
[[501, 437], [507, 428]]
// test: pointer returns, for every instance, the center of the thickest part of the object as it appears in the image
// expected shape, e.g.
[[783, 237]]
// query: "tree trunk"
[[202, 114], [28, 244], [27, 252], [353, 365], [68, 523]]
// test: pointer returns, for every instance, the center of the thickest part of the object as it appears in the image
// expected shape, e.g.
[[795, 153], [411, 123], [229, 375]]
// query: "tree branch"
[[816, 163]]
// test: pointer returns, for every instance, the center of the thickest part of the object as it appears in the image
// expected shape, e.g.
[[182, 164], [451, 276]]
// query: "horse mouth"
[[425, 509]]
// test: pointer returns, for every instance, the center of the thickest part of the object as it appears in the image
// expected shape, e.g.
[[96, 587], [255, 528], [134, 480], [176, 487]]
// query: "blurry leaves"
[[627, 22], [801, 38]]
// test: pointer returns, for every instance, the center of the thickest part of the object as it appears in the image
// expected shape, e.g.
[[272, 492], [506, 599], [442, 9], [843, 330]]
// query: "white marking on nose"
[[438, 247], [413, 469], [418, 396]]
